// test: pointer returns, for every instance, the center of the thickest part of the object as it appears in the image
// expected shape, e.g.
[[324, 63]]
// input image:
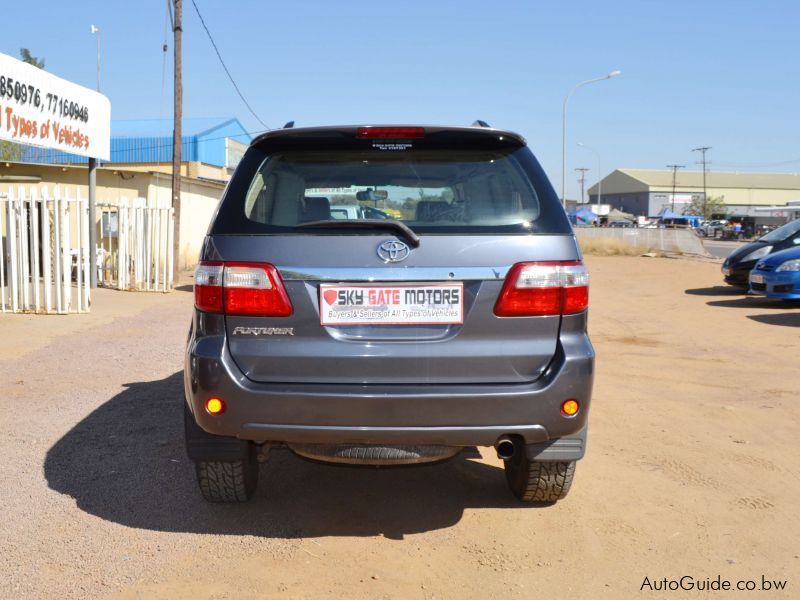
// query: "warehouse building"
[[647, 192]]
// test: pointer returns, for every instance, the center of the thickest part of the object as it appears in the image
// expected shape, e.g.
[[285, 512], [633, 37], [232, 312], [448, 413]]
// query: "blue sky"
[[716, 73]]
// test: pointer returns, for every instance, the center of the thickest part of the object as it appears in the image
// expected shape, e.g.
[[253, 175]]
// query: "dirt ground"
[[692, 467]]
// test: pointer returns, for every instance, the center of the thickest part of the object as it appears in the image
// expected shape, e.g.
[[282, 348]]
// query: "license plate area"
[[388, 304], [757, 278]]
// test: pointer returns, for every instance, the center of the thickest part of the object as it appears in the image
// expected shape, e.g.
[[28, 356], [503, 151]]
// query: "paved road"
[[720, 248]]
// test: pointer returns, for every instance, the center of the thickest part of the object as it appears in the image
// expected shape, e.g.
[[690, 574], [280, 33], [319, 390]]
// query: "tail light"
[[240, 288], [536, 289]]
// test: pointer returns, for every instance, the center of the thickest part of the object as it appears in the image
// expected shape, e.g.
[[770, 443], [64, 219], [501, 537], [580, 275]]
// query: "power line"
[[227, 72]]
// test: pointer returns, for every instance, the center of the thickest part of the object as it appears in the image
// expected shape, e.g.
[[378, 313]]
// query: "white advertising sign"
[[391, 304], [40, 109], [680, 198]]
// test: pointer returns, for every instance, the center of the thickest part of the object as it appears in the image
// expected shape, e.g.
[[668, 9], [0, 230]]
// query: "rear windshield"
[[431, 191]]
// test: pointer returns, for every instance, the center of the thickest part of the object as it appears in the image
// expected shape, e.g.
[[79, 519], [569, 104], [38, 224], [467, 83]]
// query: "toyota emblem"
[[392, 251]]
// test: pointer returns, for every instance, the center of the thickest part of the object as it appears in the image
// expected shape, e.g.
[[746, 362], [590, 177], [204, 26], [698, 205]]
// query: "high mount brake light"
[[390, 133], [240, 288], [535, 289]]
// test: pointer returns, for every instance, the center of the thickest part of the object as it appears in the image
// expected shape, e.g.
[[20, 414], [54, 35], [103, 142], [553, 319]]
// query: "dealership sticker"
[[391, 304]]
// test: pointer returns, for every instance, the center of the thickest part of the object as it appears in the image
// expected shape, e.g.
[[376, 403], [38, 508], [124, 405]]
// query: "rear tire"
[[221, 480], [532, 481], [230, 481]]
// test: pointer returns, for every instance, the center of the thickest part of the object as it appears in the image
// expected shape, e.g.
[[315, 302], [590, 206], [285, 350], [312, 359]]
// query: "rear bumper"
[[446, 414]]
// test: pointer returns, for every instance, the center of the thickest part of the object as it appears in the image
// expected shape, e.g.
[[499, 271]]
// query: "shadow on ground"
[[789, 319], [753, 302], [125, 462], [717, 290]]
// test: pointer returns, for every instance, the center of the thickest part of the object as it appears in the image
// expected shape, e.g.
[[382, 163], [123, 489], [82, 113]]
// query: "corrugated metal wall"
[[207, 146], [123, 150]]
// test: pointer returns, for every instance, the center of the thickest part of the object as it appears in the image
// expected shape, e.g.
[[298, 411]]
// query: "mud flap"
[[201, 445], [565, 449]]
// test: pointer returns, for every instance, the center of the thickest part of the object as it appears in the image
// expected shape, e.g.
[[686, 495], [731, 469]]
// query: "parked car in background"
[[353, 211], [736, 268], [777, 275], [712, 229], [621, 224]]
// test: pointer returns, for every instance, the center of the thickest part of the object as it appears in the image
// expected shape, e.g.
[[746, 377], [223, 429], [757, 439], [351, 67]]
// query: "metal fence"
[[44, 252], [135, 245], [683, 241]]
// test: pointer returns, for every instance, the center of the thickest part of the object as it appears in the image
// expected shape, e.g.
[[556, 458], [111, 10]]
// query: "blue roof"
[[194, 126], [150, 141]]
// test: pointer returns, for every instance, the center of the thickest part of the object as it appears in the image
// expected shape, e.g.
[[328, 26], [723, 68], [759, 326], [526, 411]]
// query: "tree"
[[12, 151], [29, 58], [9, 151], [713, 206]]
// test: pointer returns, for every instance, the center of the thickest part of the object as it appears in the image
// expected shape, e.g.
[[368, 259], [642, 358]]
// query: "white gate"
[[136, 245], [44, 254]]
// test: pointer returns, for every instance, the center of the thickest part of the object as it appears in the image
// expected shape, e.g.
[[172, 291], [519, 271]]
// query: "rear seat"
[[314, 209]]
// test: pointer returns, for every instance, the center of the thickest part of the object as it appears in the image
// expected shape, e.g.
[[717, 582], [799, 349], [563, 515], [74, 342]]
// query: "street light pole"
[[599, 174], [96, 30], [564, 131]]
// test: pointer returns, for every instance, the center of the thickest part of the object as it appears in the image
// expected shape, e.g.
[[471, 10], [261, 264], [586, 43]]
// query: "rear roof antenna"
[[289, 125], [480, 123]]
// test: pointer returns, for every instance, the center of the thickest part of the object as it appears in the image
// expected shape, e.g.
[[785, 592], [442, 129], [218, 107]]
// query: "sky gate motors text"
[[395, 296]]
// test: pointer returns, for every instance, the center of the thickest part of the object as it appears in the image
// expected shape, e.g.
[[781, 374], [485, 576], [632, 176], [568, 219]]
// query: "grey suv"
[[458, 321]]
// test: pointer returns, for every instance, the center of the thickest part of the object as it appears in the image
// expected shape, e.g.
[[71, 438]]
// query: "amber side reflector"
[[215, 406], [570, 408]]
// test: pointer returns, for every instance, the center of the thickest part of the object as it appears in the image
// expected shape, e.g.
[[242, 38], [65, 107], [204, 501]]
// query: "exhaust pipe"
[[505, 447]]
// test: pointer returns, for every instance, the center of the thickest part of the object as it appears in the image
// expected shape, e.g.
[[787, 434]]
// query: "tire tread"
[[545, 481], [222, 481]]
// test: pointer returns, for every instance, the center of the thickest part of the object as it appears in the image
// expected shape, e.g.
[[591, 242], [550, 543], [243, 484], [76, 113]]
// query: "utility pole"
[[582, 180], [674, 178], [599, 171], [93, 189], [704, 162], [177, 30]]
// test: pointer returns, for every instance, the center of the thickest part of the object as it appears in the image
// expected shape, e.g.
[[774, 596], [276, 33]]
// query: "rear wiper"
[[401, 228]]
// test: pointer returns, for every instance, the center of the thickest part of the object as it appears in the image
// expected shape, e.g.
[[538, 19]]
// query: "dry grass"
[[611, 247]]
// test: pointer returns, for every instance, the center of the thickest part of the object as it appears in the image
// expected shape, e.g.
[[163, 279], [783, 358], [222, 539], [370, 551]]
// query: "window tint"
[[433, 191]]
